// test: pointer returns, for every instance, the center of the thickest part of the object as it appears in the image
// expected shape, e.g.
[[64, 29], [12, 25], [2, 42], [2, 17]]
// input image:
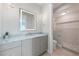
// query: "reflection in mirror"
[[27, 21]]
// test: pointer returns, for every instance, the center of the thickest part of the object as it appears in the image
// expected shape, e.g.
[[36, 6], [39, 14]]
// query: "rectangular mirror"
[[27, 21]]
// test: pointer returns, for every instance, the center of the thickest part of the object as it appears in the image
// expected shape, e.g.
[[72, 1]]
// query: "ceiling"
[[39, 4], [57, 5]]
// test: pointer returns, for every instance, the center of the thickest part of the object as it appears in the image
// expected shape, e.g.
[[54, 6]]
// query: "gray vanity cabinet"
[[44, 43], [31, 47], [11, 52], [11, 49], [39, 45], [27, 47], [36, 46]]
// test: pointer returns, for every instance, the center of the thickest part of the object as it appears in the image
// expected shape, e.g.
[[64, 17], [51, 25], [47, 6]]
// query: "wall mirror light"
[[27, 21]]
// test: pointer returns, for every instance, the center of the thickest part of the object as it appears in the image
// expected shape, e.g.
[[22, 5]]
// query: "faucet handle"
[[5, 35]]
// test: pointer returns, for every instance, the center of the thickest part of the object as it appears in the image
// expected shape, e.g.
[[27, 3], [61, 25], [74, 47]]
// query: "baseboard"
[[49, 54], [70, 50], [59, 45], [43, 53]]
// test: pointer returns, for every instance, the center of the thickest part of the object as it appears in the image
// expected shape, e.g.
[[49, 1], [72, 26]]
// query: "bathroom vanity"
[[26, 45], [17, 19]]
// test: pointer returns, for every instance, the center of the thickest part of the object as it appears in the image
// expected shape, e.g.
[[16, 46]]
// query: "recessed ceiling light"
[[63, 13]]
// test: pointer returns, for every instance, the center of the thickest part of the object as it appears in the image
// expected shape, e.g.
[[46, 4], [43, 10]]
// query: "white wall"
[[28, 7], [11, 16], [35, 9], [47, 21], [10, 19], [0, 18]]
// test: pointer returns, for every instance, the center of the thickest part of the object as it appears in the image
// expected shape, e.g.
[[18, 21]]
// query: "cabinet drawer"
[[10, 45]]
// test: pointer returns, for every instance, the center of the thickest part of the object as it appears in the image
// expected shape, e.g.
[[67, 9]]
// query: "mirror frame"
[[35, 18]]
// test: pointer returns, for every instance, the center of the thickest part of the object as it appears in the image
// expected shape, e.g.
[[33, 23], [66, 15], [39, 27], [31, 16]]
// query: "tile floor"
[[62, 52]]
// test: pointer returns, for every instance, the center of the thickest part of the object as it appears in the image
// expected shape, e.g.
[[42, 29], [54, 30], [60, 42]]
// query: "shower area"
[[66, 26]]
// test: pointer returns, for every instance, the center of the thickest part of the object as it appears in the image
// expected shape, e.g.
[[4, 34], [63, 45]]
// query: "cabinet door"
[[36, 46], [11, 52], [44, 43], [10, 18], [27, 47]]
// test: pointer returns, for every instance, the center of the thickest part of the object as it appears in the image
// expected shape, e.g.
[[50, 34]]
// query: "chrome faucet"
[[5, 35]]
